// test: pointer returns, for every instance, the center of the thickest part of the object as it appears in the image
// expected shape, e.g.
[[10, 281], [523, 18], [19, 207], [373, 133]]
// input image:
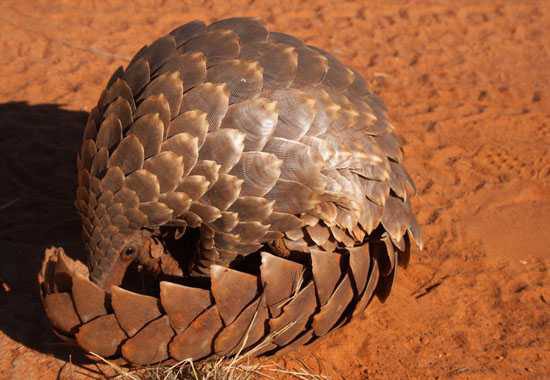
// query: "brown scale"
[[238, 190]]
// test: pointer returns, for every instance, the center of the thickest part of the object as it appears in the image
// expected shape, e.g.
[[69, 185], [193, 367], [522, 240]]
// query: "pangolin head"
[[110, 255]]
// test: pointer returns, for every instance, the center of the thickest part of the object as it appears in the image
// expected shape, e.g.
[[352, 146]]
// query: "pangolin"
[[257, 182]]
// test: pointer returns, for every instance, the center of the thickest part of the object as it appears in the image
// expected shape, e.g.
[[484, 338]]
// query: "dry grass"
[[221, 369], [239, 367]]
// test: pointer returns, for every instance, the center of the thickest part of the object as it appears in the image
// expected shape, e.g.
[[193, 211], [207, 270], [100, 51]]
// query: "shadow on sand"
[[38, 145]]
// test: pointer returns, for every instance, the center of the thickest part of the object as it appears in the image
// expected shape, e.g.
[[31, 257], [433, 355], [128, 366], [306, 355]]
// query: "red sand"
[[468, 87]]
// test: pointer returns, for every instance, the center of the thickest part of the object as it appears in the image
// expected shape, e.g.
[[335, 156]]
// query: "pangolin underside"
[[252, 179]]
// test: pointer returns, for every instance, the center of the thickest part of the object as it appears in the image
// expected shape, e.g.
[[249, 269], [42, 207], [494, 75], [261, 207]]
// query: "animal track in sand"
[[502, 163]]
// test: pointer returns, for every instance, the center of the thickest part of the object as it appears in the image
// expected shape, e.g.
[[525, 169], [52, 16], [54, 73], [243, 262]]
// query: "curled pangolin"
[[253, 178]]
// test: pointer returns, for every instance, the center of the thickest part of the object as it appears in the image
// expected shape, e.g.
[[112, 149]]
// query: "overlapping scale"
[[256, 118], [372, 282], [137, 75], [89, 299], [206, 212], [296, 110], [389, 256], [244, 78], [400, 181], [157, 213], [90, 130], [159, 51], [326, 272], [248, 29], [191, 67], [279, 62], [333, 309], [396, 217], [168, 168], [183, 303], [250, 208], [128, 155], [196, 341], [145, 184], [250, 232], [208, 169], [193, 123], [99, 163], [120, 109], [226, 222], [282, 221], [171, 86], [259, 172], [385, 283], [133, 310], [224, 146], [216, 45], [359, 262], [60, 310], [338, 77], [230, 337], [232, 290], [185, 146], [390, 145], [87, 153], [299, 162], [280, 279], [150, 345], [320, 234], [295, 316], [118, 89], [292, 197], [177, 201], [225, 191], [210, 98], [101, 336], [184, 33], [156, 104]]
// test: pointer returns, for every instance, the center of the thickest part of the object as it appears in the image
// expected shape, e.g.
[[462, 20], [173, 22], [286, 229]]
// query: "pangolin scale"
[[254, 177]]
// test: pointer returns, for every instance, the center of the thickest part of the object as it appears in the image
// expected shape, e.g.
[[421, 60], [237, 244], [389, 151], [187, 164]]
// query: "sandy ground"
[[468, 86]]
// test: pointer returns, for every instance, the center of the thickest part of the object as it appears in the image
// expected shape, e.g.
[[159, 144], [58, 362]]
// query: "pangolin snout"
[[148, 252], [109, 266]]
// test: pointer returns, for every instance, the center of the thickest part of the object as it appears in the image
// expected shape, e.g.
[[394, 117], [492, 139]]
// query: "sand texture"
[[467, 84]]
